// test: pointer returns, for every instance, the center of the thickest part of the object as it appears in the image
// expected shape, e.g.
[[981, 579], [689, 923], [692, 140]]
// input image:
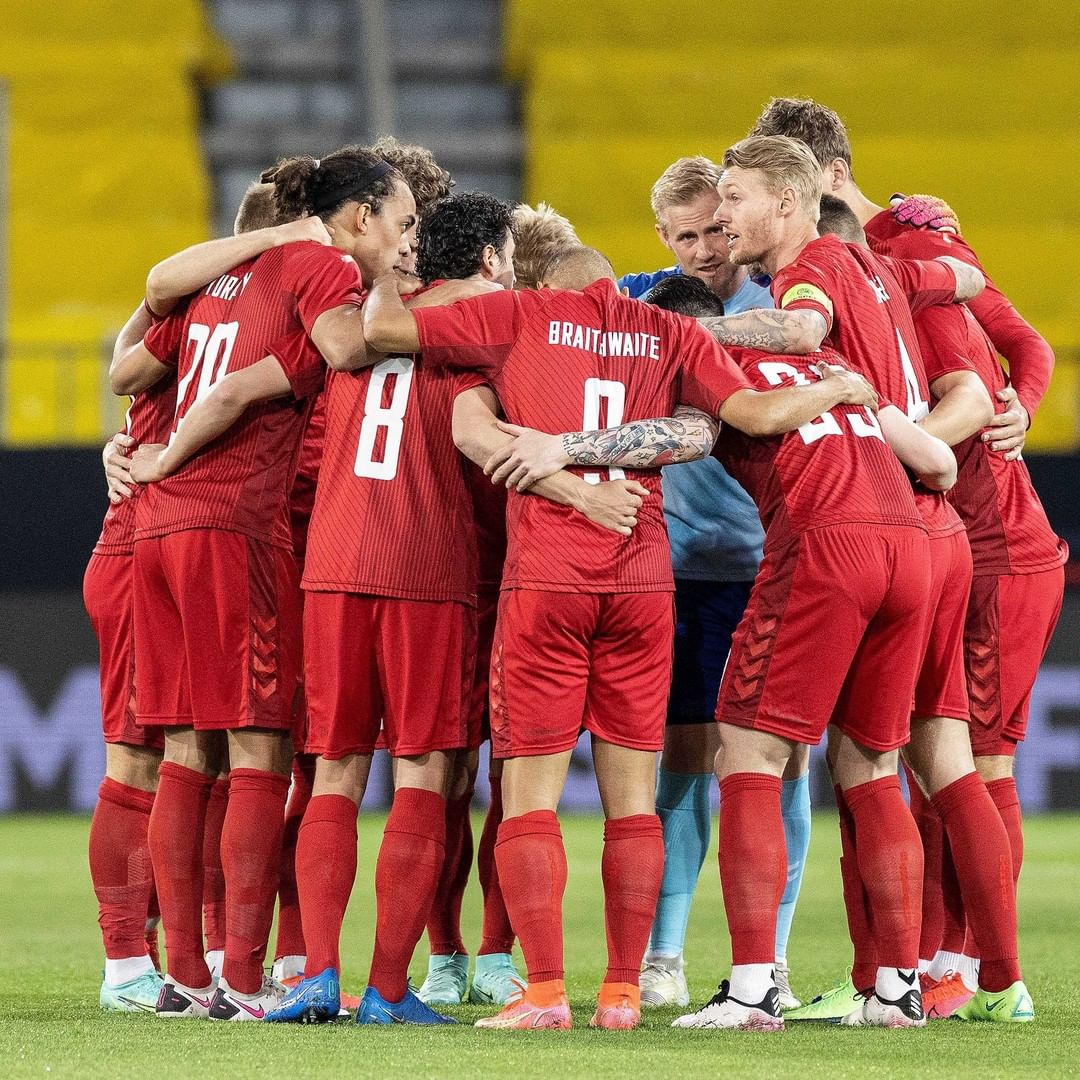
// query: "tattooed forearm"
[[772, 331], [645, 444]]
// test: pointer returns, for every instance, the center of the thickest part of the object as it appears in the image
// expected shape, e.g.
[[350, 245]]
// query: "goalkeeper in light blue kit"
[[716, 539]]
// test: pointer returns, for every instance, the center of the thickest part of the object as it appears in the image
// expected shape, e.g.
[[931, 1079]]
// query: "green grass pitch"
[[50, 952]]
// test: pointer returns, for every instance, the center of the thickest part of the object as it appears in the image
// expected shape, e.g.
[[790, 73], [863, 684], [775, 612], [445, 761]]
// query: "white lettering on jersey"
[[879, 289], [227, 287], [635, 346]]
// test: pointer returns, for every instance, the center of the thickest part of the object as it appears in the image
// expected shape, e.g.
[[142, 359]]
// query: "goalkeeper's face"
[[748, 215]]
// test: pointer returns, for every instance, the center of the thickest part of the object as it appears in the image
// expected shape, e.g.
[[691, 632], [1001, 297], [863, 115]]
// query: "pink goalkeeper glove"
[[925, 211]]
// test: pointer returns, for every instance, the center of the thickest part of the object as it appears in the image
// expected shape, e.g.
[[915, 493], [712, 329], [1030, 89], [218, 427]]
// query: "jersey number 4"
[[389, 418]]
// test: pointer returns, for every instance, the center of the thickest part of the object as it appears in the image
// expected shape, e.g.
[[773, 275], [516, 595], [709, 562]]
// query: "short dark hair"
[[322, 186], [838, 218], [452, 235], [685, 295], [816, 125]]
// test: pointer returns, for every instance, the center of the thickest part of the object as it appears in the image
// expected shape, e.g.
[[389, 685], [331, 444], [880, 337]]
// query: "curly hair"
[[541, 234], [685, 295], [322, 186], [452, 235], [429, 181]]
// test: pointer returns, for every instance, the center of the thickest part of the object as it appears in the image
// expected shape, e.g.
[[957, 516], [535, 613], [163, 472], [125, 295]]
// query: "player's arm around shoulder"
[[211, 417], [927, 456], [762, 413], [963, 407], [134, 367], [794, 331], [969, 279], [388, 326]]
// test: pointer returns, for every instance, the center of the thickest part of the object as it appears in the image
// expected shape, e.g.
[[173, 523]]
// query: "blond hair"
[[578, 267], [257, 210], [683, 181], [541, 234], [782, 162]]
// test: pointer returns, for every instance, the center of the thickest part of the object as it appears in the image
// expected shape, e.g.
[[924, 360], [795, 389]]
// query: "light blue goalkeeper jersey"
[[713, 524]]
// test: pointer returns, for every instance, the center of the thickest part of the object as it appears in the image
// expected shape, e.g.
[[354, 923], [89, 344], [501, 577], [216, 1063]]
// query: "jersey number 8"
[[389, 418]]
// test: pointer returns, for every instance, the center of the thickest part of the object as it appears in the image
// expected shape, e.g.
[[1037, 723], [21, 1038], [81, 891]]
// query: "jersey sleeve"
[[302, 363], [321, 278], [926, 282], [165, 338], [477, 333], [708, 375], [800, 287]]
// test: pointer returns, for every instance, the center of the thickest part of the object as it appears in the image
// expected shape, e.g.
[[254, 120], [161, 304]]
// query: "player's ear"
[[661, 232], [363, 217], [839, 174]]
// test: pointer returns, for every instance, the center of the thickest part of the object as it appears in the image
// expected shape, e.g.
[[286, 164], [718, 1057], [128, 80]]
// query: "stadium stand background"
[[129, 130]]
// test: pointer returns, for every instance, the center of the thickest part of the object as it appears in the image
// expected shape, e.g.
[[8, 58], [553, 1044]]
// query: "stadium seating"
[[994, 127], [104, 177]]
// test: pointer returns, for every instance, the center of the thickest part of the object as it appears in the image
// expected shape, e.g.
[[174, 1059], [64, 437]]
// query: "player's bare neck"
[[863, 207], [787, 251]]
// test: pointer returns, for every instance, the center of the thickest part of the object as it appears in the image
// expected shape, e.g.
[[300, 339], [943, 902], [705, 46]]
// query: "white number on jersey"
[[614, 393], [389, 418], [213, 351], [917, 406], [826, 424]]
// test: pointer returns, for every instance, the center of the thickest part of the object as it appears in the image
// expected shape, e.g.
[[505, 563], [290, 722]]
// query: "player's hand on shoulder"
[[1007, 432], [115, 456], [528, 457], [924, 212], [147, 465], [613, 504], [305, 228], [856, 389]]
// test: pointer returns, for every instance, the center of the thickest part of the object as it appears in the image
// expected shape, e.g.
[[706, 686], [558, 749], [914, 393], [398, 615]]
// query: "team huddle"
[[391, 478]]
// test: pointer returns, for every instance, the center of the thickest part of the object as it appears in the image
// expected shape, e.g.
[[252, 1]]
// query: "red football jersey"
[[1031, 360], [869, 323], [149, 420], [566, 361], [837, 469], [1007, 525], [302, 493], [393, 512], [489, 514], [240, 482]]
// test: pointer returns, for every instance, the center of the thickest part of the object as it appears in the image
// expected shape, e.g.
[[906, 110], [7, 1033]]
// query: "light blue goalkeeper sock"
[[795, 806], [682, 803]]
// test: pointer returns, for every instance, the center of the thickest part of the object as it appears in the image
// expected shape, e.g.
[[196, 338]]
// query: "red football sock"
[[932, 835], [250, 858], [176, 840], [120, 867], [753, 863], [632, 868], [290, 930], [891, 867], [532, 869], [325, 872], [444, 921], [213, 878], [1003, 792], [406, 874], [983, 861], [497, 934], [954, 927], [860, 923]]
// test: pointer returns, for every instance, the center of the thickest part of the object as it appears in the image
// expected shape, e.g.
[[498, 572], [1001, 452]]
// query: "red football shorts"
[[107, 594], [566, 661], [487, 611], [407, 665], [217, 631], [941, 689], [833, 633], [1010, 621]]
